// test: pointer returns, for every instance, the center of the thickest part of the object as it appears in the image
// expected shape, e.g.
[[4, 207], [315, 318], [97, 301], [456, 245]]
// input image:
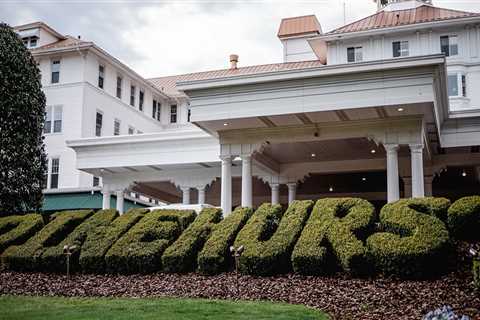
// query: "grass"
[[53, 308]]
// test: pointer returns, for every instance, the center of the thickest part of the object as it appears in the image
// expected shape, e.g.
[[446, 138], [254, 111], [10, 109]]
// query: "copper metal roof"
[[296, 26], [387, 19], [69, 42], [168, 84]]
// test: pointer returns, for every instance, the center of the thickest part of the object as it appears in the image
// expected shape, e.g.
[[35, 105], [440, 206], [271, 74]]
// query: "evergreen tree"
[[22, 116]]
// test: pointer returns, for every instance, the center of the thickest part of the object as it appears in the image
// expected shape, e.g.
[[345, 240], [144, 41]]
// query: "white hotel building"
[[382, 108]]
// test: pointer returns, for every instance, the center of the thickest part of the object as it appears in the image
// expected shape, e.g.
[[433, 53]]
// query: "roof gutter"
[[408, 27]]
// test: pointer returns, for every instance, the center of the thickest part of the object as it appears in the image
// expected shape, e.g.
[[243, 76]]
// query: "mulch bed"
[[340, 296]]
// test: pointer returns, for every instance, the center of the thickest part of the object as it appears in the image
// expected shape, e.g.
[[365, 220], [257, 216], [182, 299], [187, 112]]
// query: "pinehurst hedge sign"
[[409, 238]]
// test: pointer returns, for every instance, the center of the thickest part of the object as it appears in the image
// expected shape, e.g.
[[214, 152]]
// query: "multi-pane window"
[[457, 85], [33, 42], [131, 130], [141, 97], [449, 45], [54, 171], [98, 124], [53, 119], [132, 95], [101, 76], [400, 49], [116, 127], [173, 113], [354, 54], [96, 181], [154, 109], [119, 87], [55, 71]]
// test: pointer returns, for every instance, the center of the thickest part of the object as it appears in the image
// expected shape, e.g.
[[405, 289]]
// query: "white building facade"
[[382, 108]]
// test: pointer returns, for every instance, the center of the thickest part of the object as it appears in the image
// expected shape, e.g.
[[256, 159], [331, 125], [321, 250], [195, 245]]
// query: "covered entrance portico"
[[284, 130]]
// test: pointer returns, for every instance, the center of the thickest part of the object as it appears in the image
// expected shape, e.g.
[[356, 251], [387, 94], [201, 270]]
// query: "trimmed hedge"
[[54, 260], [140, 249], [215, 254], [26, 257], [268, 247], [476, 274], [15, 230], [415, 239], [101, 240], [346, 221], [181, 256], [464, 218], [310, 255]]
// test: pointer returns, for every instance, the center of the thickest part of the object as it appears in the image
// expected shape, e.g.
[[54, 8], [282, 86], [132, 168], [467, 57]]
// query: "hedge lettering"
[[15, 230]]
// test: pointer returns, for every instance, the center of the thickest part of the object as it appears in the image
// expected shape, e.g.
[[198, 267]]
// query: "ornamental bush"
[[415, 240], [141, 248], [215, 254], [103, 237], [181, 256], [27, 256], [346, 221], [268, 247], [22, 115], [464, 218], [53, 259], [15, 230]]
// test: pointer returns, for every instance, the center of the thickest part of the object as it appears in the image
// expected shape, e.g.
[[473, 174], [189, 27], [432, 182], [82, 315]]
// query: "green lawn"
[[53, 308]]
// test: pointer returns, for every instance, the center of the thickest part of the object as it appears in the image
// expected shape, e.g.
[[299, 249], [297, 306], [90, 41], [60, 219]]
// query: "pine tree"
[[22, 116]]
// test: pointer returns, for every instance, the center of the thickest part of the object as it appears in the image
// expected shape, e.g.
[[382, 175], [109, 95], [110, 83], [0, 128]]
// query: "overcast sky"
[[158, 38]]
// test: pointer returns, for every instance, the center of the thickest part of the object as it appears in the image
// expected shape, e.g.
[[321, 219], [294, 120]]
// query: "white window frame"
[[131, 130], [141, 99], [101, 76], [115, 121], [119, 87], [174, 113], [50, 172], [357, 53], [101, 126], [51, 112], [450, 45], [53, 69], [132, 96], [404, 48], [462, 87]]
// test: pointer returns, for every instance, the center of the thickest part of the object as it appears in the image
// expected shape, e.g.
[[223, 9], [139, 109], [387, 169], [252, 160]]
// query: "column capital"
[[185, 188], [391, 147], [274, 186], [199, 188], [292, 185], [226, 158], [416, 147], [246, 156]]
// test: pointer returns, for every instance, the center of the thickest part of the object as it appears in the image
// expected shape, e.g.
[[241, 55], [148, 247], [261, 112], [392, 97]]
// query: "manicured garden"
[[53, 308], [408, 259]]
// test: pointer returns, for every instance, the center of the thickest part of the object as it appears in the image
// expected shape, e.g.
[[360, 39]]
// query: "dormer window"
[[33, 42], [354, 54]]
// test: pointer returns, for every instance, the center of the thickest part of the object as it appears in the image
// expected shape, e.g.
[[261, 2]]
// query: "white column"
[[292, 192], [247, 181], [275, 193], [185, 195], [416, 154], [120, 200], [201, 195], [106, 199], [226, 193], [393, 186]]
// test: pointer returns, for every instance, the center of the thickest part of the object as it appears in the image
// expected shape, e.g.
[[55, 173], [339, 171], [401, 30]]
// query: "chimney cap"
[[233, 61]]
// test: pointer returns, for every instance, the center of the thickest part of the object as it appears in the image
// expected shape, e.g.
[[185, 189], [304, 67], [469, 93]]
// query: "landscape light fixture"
[[373, 151], [68, 251], [400, 109], [313, 155], [464, 174], [364, 179], [330, 189], [236, 254], [225, 124]]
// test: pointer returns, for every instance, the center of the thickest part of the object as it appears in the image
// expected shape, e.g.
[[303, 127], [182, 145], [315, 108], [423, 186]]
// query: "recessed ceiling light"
[[225, 124], [464, 174], [330, 189], [313, 155], [400, 109], [373, 151], [364, 179]]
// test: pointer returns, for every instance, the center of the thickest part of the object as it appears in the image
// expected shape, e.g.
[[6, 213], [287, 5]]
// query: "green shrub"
[[53, 259], [140, 249], [269, 241], [181, 256], [215, 254], [27, 256], [97, 243], [414, 241], [310, 255], [346, 221], [476, 274], [15, 230], [464, 218]]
